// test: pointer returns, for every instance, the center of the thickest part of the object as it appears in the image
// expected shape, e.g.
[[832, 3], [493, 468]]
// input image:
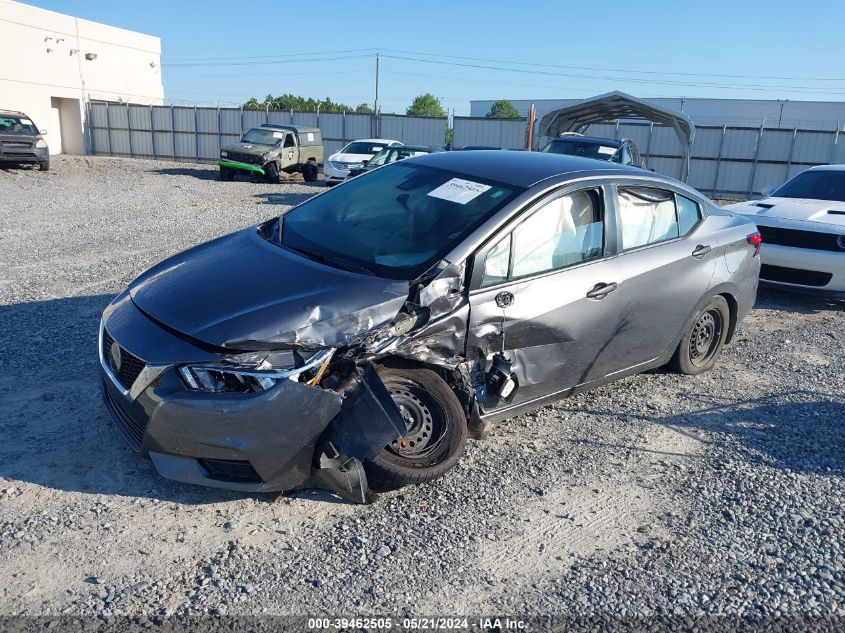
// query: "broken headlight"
[[254, 372]]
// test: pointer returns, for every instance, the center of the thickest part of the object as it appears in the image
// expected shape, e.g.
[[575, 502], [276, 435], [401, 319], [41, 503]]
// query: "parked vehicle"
[[21, 142], [353, 156], [391, 155], [467, 148], [803, 227], [361, 336], [622, 152], [271, 150]]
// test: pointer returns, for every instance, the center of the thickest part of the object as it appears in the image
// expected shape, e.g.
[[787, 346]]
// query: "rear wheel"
[[309, 171], [272, 173], [227, 174], [700, 347], [435, 425]]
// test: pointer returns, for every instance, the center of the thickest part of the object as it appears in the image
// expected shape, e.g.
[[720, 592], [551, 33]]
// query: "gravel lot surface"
[[661, 495]]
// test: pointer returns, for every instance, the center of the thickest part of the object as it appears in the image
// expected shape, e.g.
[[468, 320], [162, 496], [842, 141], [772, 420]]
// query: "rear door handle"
[[701, 250], [600, 291]]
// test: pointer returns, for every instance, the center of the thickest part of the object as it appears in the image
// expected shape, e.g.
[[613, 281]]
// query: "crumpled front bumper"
[[272, 440]]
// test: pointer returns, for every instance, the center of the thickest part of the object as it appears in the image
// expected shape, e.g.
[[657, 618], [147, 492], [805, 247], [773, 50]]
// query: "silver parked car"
[[358, 339]]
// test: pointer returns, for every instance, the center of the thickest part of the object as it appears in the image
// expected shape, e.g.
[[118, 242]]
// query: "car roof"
[[840, 167], [522, 169], [597, 140], [11, 112], [413, 148], [299, 129]]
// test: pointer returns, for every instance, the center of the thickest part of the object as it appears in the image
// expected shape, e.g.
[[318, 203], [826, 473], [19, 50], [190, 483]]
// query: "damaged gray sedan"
[[355, 342]]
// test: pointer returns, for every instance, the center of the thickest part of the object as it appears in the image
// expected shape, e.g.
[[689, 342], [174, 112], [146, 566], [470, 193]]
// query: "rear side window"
[[649, 216], [564, 231]]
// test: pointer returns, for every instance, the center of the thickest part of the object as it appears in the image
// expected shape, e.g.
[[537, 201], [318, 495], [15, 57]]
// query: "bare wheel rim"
[[705, 337], [425, 423]]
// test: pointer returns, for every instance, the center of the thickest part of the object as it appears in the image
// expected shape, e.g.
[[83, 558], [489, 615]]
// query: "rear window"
[[17, 125], [585, 149]]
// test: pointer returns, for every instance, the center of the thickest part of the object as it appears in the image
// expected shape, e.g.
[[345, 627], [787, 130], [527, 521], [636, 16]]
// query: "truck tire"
[[436, 430], [227, 174], [309, 171], [44, 165], [272, 173]]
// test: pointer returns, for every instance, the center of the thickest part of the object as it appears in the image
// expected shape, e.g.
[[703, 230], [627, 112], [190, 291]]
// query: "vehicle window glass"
[[398, 221], [564, 231], [289, 142], [363, 147], [626, 155], [17, 125], [815, 184], [646, 216], [603, 150], [688, 214], [496, 263], [263, 136]]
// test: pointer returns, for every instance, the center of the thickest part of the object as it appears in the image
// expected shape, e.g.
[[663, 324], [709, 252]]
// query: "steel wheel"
[[425, 426], [705, 337]]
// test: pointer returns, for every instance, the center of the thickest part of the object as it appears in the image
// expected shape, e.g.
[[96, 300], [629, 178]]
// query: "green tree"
[[503, 109], [253, 104], [363, 108], [426, 105]]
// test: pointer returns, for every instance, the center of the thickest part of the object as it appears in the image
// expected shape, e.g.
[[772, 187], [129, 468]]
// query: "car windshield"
[[816, 185], [395, 222], [387, 156], [263, 136], [16, 125], [586, 149], [363, 147]]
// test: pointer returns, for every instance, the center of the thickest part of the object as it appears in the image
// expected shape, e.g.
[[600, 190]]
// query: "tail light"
[[755, 239]]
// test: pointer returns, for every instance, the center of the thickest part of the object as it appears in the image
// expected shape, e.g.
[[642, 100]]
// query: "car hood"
[[350, 158], [242, 292], [799, 209], [255, 149]]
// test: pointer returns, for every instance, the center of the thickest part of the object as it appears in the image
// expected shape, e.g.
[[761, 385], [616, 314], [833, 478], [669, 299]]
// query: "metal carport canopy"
[[613, 106]]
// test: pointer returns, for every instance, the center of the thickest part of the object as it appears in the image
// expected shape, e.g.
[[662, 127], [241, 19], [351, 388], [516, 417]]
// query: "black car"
[[621, 152], [391, 155], [362, 336]]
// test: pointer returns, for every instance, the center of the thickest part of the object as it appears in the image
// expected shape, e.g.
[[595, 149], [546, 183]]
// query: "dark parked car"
[[391, 155], [363, 335], [622, 152], [21, 142]]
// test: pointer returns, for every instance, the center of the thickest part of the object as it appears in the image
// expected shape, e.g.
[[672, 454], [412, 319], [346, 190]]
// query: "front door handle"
[[600, 291], [701, 250]]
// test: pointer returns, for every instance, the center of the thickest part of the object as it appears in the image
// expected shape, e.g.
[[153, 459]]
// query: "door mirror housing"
[[767, 191]]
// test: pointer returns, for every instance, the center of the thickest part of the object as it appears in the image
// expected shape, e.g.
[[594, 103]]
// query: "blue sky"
[[737, 49]]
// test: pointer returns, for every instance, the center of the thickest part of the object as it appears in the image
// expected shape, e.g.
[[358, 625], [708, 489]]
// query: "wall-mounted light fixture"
[[90, 56]]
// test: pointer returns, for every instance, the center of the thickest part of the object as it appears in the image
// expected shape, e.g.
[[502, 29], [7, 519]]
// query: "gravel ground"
[[697, 500]]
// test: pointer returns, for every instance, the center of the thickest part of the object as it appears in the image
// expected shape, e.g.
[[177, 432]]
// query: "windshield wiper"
[[333, 261]]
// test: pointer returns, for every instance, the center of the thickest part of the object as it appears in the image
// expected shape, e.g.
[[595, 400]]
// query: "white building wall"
[[51, 64], [784, 113]]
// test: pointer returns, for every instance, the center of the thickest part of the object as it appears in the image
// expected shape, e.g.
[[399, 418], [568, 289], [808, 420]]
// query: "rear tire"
[[436, 430], [44, 166], [272, 173], [309, 171], [227, 174], [703, 342]]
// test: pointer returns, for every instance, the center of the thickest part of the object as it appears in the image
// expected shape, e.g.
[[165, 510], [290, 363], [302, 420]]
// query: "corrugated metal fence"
[[727, 162]]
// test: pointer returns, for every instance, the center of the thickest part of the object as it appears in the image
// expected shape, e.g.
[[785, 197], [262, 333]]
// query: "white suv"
[[353, 156]]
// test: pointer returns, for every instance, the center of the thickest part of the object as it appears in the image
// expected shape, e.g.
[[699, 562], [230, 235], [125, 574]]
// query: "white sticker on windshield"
[[310, 136], [607, 150], [278, 135], [459, 190], [377, 148], [26, 121]]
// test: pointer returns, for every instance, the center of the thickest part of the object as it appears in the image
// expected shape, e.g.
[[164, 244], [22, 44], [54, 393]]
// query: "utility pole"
[[375, 105]]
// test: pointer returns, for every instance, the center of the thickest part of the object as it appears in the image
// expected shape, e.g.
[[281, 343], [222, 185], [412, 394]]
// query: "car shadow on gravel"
[[207, 173], [774, 299], [801, 431], [55, 429]]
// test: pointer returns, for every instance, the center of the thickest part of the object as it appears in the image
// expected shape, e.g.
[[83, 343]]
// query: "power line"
[[616, 70]]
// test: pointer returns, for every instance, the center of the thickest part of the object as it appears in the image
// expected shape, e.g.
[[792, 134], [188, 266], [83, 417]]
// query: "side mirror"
[[42, 132], [364, 162], [767, 191]]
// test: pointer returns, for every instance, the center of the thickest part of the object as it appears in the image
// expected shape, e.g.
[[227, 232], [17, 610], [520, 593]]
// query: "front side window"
[[397, 222], [289, 142], [646, 216], [564, 231]]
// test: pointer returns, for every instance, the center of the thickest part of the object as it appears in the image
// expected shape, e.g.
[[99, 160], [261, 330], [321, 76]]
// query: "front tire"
[[44, 165], [703, 342], [436, 430], [272, 173], [227, 174]]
